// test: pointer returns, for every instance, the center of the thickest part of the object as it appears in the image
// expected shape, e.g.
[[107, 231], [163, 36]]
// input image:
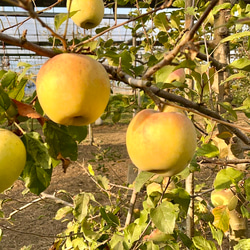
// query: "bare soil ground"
[[35, 225]]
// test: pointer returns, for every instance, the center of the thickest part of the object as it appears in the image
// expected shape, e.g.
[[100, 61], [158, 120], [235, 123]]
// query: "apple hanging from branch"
[[73, 89], [12, 158], [161, 142], [89, 13]]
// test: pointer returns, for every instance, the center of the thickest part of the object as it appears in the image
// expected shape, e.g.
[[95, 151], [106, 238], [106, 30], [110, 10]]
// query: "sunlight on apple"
[[73, 89], [12, 158], [161, 142]]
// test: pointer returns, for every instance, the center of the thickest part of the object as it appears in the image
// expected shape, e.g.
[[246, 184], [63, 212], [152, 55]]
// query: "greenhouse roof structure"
[[15, 21]]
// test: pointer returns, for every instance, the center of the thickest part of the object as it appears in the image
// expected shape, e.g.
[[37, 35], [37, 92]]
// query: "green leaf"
[[227, 177], [62, 17], [36, 179], [79, 243], [163, 73], [245, 107], [124, 58], [227, 106], [164, 216], [81, 204], [247, 188], [91, 170], [116, 242], [62, 212], [78, 133], [9, 79], [111, 219], [19, 90], [217, 234], [4, 99], [245, 212], [236, 36], [203, 244], [59, 141], [103, 181], [221, 218], [161, 21], [234, 77], [243, 244], [150, 245], [179, 196], [179, 3], [37, 172], [132, 233], [219, 7], [26, 66], [242, 63], [208, 149], [116, 116], [191, 11], [37, 152], [185, 239], [141, 179]]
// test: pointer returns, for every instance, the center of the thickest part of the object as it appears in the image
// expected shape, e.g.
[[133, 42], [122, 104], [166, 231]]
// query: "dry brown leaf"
[[26, 110]]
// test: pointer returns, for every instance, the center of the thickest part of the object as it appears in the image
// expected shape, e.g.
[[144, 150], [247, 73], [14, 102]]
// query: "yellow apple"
[[89, 12], [73, 89], [224, 197], [177, 75], [161, 142], [12, 158]]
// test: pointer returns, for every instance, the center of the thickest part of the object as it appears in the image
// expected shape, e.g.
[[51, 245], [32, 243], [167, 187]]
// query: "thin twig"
[[43, 196], [222, 162]]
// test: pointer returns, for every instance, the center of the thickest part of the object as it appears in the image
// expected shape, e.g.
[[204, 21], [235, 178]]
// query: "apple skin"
[[12, 158], [73, 89], [90, 13], [177, 75], [161, 142], [224, 197], [168, 108]]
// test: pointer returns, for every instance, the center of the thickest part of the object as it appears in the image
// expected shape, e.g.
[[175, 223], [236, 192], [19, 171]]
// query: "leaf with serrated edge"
[[221, 218]]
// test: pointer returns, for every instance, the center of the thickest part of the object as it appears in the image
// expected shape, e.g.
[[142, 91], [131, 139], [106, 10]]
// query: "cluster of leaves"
[[157, 223]]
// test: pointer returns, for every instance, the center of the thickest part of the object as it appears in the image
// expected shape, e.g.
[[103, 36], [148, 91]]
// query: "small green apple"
[[161, 142], [89, 13], [224, 197], [73, 89], [12, 158]]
